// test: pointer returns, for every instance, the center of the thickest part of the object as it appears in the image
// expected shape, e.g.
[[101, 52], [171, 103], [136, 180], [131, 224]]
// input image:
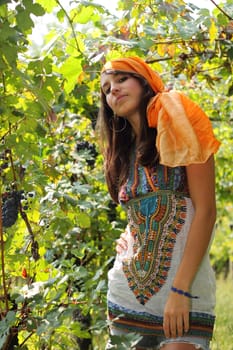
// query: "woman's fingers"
[[121, 243], [180, 326], [175, 325], [120, 246], [176, 316], [186, 322], [166, 326]]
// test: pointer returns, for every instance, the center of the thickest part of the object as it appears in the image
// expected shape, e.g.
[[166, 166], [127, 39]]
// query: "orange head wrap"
[[184, 132], [136, 65]]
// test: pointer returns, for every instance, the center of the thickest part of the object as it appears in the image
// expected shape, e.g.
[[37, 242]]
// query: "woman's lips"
[[120, 97]]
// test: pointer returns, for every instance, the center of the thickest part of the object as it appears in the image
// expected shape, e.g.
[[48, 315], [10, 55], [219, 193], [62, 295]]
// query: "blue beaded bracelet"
[[182, 292]]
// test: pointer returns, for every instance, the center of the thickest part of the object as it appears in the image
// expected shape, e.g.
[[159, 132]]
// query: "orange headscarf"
[[184, 132]]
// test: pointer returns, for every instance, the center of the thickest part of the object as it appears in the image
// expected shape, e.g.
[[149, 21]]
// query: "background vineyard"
[[57, 222]]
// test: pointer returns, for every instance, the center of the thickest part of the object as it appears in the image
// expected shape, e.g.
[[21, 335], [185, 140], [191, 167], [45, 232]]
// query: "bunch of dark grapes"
[[10, 208], [85, 145], [11, 201]]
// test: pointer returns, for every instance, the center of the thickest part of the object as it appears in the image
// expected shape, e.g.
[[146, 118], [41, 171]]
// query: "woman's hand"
[[121, 243], [176, 315]]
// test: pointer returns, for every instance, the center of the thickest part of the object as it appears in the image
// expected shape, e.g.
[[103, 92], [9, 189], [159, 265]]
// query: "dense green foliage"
[[57, 222], [223, 334]]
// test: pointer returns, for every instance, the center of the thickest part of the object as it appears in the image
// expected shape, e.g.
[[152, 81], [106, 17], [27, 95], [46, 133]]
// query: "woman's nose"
[[114, 88]]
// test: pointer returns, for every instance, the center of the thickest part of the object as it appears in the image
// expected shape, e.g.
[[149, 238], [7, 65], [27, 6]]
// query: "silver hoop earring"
[[112, 126]]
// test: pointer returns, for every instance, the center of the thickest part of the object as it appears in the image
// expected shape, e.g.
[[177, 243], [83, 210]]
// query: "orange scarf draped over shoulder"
[[184, 132]]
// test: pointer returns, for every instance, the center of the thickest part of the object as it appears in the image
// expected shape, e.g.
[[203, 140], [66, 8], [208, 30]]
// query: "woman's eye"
[[107, 89], [122, 79]]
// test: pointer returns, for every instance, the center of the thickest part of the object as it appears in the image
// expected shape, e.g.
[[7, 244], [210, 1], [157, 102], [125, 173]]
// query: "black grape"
[[10, 210], [85, 145]]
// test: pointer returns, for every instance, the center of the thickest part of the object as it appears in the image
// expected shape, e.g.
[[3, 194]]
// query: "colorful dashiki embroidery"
[[153, 221], [160, 213]]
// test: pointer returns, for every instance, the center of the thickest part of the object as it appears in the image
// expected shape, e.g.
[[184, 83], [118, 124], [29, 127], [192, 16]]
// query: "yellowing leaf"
[[196, 46], [161, 49], [213, 31], [81, 77], [171, 50]]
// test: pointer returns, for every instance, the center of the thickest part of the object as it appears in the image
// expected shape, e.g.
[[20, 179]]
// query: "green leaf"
[[37, 10], [23, 20], [230, 52], [48, 5], [7, 31], [80, 251], [85, 15], [204, 13], [10, 317], [71, 69], [61, 225], [2, 2], [5, 326], [61, 15], [84, 220], [10, 53], [230, 91], [81, 272]]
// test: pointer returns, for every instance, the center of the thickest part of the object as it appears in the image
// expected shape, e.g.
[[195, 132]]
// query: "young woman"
[[159, 165]]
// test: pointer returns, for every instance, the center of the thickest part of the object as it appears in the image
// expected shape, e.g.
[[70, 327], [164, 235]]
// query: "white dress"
[[160, 212]]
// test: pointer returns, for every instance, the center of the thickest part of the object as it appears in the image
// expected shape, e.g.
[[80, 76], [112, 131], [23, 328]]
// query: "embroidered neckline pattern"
[[143, 180]]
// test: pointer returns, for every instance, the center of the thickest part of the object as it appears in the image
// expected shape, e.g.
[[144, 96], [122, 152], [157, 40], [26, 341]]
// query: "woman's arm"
[[201, 181]]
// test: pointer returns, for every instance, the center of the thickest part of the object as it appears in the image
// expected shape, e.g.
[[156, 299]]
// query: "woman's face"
[[123, 94]]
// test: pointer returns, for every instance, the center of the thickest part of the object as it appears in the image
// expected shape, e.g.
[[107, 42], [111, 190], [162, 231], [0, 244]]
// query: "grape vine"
[[90, 148]]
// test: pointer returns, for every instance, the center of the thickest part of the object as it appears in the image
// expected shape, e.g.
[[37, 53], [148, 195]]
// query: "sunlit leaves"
[[84, 15], [71, 69], [213, 31], [49, 101], [164, 49], [48, 5]]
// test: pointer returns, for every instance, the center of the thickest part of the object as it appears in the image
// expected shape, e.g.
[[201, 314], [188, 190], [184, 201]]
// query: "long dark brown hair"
[[117, 139]]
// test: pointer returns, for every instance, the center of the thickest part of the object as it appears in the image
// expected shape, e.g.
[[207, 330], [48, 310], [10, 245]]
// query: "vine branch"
[[71, 25], [221, 10], [3, 260], [182, 41]]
